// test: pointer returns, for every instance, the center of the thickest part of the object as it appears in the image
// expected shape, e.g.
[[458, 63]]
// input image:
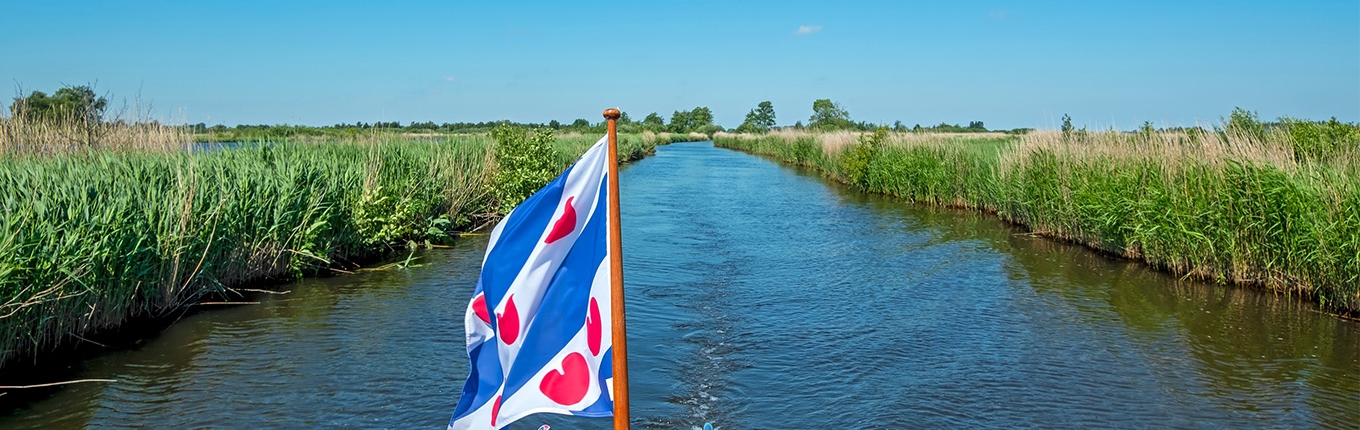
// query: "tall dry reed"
[[19, 135]]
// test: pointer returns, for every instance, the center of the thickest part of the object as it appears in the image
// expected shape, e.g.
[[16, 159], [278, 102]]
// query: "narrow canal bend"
[[763, 297]]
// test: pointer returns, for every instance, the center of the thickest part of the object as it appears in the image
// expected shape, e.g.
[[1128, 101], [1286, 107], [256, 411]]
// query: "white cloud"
[[808, 29], [449, 79], [997, 15]]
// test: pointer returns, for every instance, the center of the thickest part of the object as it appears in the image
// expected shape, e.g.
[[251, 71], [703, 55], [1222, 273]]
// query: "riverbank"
[[1265, 208], [92, 237], [728, 319]]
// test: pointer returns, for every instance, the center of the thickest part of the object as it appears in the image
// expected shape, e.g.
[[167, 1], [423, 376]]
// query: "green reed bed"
[[90, 238], [1257, 208]]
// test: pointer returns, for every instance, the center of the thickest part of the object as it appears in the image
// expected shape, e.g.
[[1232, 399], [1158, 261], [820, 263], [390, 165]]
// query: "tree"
[[750, 124], [976, 126], [624, 119], [700, 118], [653, 122], [71, 103], [765, 114], [554, 125], [758, 120], [680, 122], [1066, 126], [829, 115], [580, 123]]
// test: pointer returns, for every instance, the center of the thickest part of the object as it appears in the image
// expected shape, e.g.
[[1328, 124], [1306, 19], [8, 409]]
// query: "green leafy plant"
[[524, 163], [859, 158], [1321, 140]]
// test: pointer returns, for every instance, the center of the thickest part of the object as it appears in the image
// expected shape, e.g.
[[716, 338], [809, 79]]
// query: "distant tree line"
[[829, 116], [80, 105], [1310, 140], [697, 120]]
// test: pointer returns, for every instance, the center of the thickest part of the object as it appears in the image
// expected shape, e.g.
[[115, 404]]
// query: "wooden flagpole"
[[620, 335]]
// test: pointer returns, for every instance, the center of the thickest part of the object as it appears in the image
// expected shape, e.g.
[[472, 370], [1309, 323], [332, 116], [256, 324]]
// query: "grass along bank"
[[93, 235], [1279, 208]]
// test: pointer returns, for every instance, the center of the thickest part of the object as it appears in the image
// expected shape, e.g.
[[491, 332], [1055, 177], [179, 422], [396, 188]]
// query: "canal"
[[761, 296]]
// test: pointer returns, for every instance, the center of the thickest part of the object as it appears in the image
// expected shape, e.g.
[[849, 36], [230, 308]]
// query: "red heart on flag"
[[495, 410], [568, 386], [565, 224], [507, 324], [593, 333], [479, 308]]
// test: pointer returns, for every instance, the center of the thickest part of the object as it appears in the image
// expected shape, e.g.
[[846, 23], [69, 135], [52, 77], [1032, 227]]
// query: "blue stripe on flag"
[[569, 294], [521, 234], [482, 381], [517, 241]]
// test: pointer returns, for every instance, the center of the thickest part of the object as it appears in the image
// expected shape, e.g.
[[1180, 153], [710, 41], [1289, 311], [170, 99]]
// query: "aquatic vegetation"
[[93, 235], [1277, 205], [88, 239]]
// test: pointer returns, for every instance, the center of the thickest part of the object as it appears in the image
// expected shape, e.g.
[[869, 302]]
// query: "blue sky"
[[1009, 64]]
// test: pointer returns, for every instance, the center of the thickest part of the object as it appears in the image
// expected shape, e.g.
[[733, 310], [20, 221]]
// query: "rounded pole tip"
[[612, 113]]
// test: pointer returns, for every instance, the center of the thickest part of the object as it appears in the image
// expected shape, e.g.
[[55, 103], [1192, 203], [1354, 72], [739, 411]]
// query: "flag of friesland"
[[538, 325]]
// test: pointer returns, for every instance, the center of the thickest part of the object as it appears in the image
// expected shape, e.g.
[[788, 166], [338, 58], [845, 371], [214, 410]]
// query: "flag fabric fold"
[[538, 325]]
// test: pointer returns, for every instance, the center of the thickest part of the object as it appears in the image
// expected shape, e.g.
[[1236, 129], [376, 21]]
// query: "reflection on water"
[[764, 297]]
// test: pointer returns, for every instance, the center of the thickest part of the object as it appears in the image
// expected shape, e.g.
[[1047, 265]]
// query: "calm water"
[[762, 297]]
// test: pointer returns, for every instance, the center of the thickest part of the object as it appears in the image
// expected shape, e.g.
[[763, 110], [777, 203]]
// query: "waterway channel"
[[760, 296]]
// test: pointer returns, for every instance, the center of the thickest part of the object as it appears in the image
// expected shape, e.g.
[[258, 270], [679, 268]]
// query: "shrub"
[[524, 163], [1322, 140], [858, 158]]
